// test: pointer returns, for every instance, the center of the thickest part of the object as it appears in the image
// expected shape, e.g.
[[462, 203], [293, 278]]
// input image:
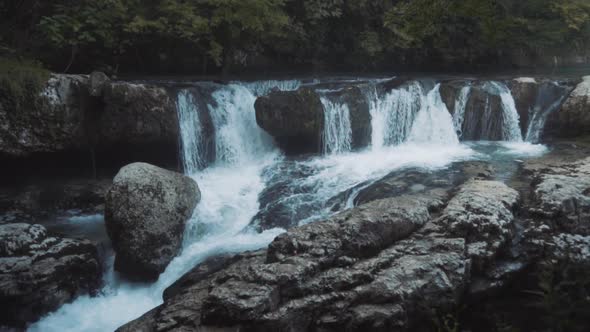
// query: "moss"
[[21, 82]]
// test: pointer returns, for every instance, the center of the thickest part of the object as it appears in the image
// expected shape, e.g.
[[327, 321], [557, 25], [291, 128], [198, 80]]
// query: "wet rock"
[[39, 273], [483, 114], [573, 119], [74, 114], [137, 114], [561, 194], [449, 92], [524, 91], [360, 116], [294, 118], [145, 214]]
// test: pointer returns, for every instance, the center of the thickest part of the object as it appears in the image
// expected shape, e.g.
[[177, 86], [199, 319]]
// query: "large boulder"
[[39, 273], [573, 119], [146, 210], [294, 118]]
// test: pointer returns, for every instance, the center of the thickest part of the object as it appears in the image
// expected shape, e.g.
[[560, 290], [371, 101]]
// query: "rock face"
[[40, 273], [524, 91], [294, 118], [573, 119], [146, 210], [78, 113], [375, 267], [483, 114], [561, 195], [360, 116]]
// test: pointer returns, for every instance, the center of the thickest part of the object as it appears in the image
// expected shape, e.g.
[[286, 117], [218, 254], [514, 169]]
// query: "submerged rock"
[[145, 214], [294, 118], [39, 273]]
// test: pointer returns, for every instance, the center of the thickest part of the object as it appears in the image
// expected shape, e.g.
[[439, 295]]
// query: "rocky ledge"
[[390, 263], [75, 114], [39, 273]]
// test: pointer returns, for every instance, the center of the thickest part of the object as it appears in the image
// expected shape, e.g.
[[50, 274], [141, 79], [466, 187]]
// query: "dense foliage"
[[200, 36]]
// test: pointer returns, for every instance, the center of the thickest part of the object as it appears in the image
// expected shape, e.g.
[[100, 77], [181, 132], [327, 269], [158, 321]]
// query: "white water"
[[337, 133], [434, 123], [411, 128], [459, 112], [549, 99], [392, 115], [190, 132], [260, 88], [511, 121]]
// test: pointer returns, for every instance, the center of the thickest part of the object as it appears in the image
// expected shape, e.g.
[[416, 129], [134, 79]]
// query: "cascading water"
[[261, 88], [337, 133], [190, 131], [549, 98], [434, 123], [511, 127], [459, 112], [392, 115]]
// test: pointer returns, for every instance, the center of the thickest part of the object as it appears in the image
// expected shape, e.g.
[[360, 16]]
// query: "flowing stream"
[[248, 176]]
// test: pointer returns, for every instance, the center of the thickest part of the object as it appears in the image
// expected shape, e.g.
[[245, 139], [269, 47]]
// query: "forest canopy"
[[209, 36]]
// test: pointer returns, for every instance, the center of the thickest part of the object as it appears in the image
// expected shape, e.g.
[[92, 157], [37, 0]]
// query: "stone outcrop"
[[81, 113], [146, 211], [524, 91], [375, 267], [294, 118], [573, 119], [39, 273]]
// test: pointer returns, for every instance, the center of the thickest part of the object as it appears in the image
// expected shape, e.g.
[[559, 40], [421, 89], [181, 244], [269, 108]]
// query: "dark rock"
[[573, 119], [97, 82], [483, 114], [145, 214], [40, 273], [137, 113], [524, 91], [360, 116], [66, 120], [449, 92], [294, 118]]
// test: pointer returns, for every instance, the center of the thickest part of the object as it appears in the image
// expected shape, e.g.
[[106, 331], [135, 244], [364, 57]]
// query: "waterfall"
[[337, 133], [392, 115], [549, 98], [434, 123], [238, 139], [460, 106], [510, 124], [261, 88], [190, 132]]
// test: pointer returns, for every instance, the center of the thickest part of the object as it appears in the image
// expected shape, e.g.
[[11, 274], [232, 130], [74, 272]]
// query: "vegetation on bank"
[[21, 81], [208, 36]]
